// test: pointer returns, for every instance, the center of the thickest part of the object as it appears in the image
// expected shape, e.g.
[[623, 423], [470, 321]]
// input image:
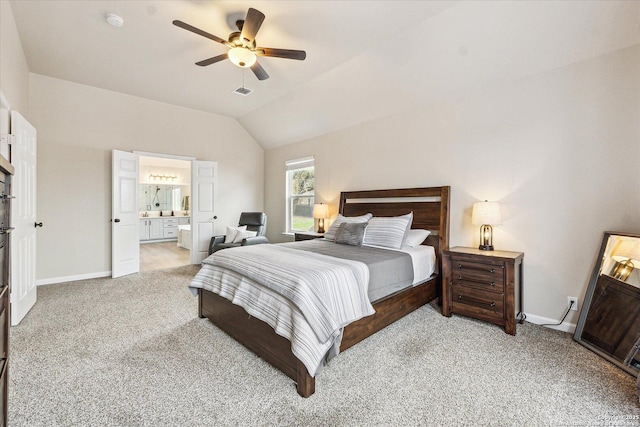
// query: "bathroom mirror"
[[163, 197], [609, 322]]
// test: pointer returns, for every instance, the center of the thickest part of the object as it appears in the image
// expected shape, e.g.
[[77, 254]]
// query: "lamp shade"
[[486, 213], [627, 250], [320, 211]]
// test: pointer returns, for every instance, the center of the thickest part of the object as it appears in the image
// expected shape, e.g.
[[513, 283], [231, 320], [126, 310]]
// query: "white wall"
[[79, 125], [14, 71], [558, 150]]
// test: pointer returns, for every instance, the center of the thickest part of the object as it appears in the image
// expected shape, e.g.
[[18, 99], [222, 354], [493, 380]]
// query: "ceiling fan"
[[242, 45]]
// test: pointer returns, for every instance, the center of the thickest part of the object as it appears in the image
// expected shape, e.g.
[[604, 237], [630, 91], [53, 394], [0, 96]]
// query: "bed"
[[430, 207]]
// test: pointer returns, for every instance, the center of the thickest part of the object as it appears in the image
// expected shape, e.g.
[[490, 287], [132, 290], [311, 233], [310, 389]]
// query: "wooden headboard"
[[430, 207]]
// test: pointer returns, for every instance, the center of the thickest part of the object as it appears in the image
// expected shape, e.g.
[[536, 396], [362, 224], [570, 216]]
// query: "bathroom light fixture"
[[155, 177], [114, 20], [486, 214]]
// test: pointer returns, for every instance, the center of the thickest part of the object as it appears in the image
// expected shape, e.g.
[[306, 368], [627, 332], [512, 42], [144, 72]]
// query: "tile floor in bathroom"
[[161, 255]]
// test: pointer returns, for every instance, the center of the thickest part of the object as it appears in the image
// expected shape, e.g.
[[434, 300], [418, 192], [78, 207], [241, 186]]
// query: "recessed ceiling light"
[[115, 20]]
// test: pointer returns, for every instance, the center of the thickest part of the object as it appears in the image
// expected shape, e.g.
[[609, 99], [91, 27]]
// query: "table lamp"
[[320, 212], [486, 214], [626, 255]]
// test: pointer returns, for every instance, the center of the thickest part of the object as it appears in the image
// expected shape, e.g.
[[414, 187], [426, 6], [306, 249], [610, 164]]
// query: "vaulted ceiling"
[[365, 59]]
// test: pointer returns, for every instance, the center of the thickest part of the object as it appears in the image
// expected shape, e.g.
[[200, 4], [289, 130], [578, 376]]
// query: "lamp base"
[[321, 225], [485, 247]]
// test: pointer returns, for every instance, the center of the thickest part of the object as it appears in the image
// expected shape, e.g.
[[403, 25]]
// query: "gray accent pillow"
[[331, 232], [351, 233]]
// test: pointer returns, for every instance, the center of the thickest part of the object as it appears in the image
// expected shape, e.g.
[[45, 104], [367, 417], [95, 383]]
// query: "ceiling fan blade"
[[282, 53], [260, 73], [198, 31], [251, 25], [213, 60]]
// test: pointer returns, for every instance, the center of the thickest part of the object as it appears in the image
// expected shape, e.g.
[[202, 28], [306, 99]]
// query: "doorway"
[[133, 223], [164, 196]]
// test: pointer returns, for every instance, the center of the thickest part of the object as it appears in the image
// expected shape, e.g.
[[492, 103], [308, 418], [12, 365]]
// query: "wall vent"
[[244, 91]]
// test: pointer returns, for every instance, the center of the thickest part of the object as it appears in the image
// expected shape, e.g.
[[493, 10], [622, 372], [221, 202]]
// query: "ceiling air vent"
[[244, 91]]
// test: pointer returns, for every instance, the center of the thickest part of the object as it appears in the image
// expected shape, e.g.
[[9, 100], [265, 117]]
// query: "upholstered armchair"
[[254, 221]]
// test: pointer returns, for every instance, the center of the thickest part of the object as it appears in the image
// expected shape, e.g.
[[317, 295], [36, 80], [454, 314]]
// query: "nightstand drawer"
[[476, 303], [490, 284], [476, 271]]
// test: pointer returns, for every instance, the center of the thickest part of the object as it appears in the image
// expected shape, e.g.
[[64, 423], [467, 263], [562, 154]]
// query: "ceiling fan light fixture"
[[242, 57]]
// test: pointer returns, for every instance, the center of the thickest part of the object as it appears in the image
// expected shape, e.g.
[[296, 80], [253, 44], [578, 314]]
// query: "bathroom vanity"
[[161, 228]]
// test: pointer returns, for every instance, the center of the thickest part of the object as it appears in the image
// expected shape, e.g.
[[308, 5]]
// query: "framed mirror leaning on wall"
[[609, 322]]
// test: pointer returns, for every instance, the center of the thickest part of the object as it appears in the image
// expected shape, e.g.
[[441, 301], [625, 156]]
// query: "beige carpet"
[[132, 352]]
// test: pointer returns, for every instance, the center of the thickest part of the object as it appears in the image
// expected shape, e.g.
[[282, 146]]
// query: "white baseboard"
[[539, 320], [53, 280]]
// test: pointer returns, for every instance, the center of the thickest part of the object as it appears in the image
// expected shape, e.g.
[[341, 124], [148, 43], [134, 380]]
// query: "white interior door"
[[203, 184], [125, 219], [23, 218]]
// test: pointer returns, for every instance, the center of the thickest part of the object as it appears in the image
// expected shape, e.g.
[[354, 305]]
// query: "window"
[[300, 194]]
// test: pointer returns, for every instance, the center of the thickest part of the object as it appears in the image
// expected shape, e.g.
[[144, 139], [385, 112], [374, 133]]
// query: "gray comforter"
[[389, 270]]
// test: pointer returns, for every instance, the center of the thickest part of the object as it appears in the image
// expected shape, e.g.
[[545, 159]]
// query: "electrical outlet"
[[574, 307]]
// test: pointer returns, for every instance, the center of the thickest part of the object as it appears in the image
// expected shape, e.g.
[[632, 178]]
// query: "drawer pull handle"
[[481, 282], [490, 304], [491, 270]]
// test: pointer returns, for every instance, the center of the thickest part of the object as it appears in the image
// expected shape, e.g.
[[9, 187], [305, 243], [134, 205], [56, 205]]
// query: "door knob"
[[38, 224], [116, 220]]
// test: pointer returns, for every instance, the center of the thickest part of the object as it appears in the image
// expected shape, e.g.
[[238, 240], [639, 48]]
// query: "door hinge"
[[7, 138]]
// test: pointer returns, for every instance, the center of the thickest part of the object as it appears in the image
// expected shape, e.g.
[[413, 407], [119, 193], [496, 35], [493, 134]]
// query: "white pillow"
[[331, 232], [243, 234], [231, 233], [416, 237], [388, 232]]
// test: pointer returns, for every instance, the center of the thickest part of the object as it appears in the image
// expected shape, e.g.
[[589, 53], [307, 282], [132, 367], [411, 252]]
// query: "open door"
[[23, 218], [203, 183], [125, 219]]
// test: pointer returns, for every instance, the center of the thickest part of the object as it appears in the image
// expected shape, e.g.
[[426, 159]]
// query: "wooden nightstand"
[[483, 284], [307, 235]]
